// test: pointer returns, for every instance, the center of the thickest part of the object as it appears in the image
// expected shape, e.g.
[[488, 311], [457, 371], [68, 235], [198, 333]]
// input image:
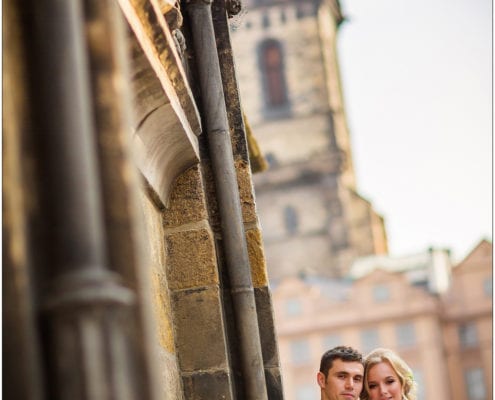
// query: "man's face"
[[344, 381]]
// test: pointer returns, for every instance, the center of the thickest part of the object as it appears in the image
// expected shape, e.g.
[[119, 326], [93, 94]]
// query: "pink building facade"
[[444, 335]]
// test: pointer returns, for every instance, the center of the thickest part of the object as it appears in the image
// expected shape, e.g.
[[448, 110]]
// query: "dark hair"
[[343, 353]]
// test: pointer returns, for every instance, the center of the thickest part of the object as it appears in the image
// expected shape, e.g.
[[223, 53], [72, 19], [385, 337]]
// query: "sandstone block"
[[191, 260], [199, 326]]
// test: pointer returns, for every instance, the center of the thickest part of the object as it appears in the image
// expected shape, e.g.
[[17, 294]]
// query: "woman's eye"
[[372, 385]]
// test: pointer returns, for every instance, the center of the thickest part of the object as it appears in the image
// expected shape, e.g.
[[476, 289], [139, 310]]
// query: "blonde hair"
[[403, 371]]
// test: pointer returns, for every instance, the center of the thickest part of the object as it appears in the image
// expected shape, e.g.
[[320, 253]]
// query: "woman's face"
[[383, 382]]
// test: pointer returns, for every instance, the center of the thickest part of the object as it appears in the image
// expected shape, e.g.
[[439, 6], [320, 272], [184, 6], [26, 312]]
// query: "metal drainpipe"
[[220, 147]]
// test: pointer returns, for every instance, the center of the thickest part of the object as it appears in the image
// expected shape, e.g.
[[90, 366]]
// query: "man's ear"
[[320, 378]]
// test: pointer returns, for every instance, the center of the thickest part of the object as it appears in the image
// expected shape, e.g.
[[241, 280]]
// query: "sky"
[[417, 83]]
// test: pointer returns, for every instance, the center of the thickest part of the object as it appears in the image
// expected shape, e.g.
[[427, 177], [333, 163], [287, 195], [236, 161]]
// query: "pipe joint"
[[245, 289]]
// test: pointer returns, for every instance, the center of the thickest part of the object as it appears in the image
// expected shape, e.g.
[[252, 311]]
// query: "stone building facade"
[[444, 333], [287, 62], [133, 264]]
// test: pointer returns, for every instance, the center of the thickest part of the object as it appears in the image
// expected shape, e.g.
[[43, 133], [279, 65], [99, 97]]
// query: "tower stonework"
[[314, 220]]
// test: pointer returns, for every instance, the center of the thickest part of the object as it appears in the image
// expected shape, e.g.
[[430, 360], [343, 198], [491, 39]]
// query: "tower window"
[[291, 220], [299, 12], [271, 159], [273, 75]]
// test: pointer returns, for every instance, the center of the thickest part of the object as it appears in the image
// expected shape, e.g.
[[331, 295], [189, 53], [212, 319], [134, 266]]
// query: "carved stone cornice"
[[167, 121]]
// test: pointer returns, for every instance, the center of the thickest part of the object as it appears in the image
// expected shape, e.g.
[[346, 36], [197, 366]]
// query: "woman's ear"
[[321, 379]]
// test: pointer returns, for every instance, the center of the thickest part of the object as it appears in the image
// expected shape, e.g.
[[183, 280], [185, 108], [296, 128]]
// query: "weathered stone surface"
[[167, 121], [191, 259], [229, 80], [199, 325], [256, 258], [22, 378], [187, 200], [162, 311], [267, 328], [274, 386], [207, 386], [170, 380], [210, 193], [246, 191], [157, 42], [161, 154], [154, 230]]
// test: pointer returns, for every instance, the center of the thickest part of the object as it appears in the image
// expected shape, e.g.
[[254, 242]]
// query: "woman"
[[387, 376]]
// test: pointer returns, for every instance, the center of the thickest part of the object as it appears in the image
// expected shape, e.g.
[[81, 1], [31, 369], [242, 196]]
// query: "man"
[[341, 374]]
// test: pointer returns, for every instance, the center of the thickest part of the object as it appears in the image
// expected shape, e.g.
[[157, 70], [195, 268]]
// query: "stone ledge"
[[167, 121]]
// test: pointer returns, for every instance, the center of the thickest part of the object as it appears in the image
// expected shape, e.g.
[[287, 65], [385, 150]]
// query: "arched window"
[[273, 73]]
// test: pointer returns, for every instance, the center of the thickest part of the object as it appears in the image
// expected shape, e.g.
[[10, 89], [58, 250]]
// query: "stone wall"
[[115, 281]]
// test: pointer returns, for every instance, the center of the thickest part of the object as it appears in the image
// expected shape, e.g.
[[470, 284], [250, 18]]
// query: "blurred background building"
[[326, 247], [444, 333], [308, 202]]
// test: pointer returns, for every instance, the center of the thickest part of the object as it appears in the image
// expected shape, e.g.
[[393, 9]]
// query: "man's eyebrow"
[[347, 373]]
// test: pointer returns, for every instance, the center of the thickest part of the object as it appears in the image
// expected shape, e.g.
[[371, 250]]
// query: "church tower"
[[314, 220]]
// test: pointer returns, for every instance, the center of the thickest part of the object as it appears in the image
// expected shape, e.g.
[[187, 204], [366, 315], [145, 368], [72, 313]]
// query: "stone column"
[[86, 301]]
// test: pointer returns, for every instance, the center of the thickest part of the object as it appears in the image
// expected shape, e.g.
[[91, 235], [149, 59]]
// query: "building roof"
[[479, 255], [364, 265]]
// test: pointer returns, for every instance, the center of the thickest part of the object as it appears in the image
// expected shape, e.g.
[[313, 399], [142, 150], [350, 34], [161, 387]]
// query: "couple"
[[344, 375]]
